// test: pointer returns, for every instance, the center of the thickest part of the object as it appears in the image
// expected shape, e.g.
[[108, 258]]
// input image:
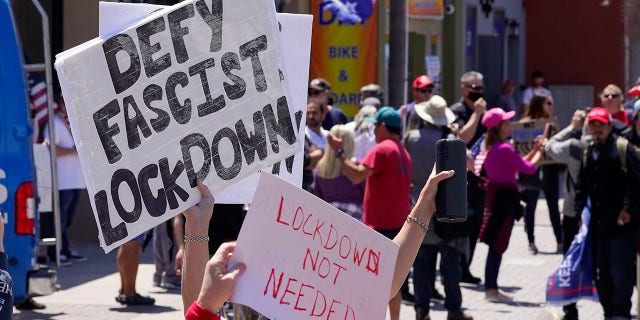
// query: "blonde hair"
[[612, 87], [364, 112], [329, 166]]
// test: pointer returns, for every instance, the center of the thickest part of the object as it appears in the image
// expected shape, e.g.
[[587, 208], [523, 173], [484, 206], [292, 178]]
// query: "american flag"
[[38, 97]]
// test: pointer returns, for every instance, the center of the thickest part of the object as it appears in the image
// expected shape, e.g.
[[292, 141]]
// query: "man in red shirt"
[[387, 168]]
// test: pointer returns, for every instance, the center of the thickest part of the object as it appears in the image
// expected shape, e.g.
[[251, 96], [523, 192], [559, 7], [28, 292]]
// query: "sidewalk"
[[89, 288]]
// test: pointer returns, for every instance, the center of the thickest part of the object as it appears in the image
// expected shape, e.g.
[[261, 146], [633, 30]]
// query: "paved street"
[[89, 288]]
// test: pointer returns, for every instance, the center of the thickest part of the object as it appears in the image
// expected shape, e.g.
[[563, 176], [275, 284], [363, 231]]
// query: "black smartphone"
[[451, 199]]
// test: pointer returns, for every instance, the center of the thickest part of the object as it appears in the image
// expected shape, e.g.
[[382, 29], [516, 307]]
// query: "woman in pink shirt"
[[503, 196]]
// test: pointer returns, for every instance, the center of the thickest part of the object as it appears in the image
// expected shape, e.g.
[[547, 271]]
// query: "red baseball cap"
[[421, 82], [599, 114], [635, 91]]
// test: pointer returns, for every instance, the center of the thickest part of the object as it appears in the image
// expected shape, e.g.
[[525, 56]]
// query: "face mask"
[[474, 96]]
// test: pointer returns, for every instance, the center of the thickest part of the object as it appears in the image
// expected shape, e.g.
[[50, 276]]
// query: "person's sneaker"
[[135, 300], [436, 295], [532, 248], [64, 261], [74, 256], [469, 278], [30, 304], [407, 298], [497, 296], [170, 286], [458, 315]]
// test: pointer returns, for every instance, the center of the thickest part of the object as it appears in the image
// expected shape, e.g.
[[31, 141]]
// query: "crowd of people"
[[395, 168], [378, 170]]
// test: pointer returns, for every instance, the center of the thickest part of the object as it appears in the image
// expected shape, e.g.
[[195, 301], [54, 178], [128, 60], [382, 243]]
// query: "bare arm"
[[535, 155], [355, 172], [469, 129], [61, 151], [315, 154], [411, 235], [178, 238], [196, 254]]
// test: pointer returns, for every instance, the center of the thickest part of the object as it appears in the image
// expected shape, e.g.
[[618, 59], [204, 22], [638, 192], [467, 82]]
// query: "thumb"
[[236, 271], [442, 176]]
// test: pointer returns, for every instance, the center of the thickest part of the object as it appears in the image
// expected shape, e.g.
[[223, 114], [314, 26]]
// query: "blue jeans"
[[615, 273], [424, 274], [68, 203], [551, 191]]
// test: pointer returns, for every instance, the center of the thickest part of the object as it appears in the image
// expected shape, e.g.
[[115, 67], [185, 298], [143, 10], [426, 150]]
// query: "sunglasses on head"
[[611, 95], [474, 86]]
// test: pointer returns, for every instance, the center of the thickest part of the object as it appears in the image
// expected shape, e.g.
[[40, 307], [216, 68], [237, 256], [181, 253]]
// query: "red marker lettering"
[[278, 219], [275, 289], [315, 304], [300, 295], [338, 272], [286, 290], [373, 263], [331, 308], [299, 211], [331, 232]]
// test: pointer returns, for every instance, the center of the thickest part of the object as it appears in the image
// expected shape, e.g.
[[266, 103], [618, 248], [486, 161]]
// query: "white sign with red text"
[[307, 260]]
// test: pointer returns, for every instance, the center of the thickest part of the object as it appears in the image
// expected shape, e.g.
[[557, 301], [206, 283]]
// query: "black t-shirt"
[[335, 116], [6, 294], [463, 114]]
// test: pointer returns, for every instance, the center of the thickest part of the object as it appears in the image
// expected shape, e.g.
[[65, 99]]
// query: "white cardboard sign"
[[295, 38], [307, 260], [193, 91]]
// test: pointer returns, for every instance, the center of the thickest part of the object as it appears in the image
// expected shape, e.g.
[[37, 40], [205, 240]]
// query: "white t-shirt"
[[320, 140], [363, 140], [529, 92], [69, 171]]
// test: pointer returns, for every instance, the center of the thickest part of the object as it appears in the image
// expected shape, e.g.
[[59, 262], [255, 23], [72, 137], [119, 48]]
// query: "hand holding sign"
[[218, 283], [323, 283], [193, 91]]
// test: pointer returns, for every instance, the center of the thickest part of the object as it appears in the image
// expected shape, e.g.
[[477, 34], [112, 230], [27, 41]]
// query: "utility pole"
[[397, 52]]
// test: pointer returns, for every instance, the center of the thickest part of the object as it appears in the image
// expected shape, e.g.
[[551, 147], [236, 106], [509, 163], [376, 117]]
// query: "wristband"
[[188, 239], [420, 224], [339, 152]]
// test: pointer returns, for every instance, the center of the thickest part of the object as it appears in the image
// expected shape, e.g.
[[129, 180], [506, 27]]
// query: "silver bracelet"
[[188, 239], [420, 224]]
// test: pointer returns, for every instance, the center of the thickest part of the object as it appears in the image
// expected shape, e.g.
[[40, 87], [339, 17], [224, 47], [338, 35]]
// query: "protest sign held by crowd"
[[143, 103]]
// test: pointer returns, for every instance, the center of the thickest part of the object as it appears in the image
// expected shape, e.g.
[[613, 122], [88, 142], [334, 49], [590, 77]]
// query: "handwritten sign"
[[524, 133], [295, 39], [295, 35], [306, 259], [193, 91]]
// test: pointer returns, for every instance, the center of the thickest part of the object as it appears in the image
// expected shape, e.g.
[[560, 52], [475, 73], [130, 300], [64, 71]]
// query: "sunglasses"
[[313, 92], [611, 95], [549, 103], [474, 87], [426, 90]]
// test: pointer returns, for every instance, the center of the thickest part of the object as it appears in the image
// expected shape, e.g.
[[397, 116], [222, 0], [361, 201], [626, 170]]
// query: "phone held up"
[[451, 199]]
